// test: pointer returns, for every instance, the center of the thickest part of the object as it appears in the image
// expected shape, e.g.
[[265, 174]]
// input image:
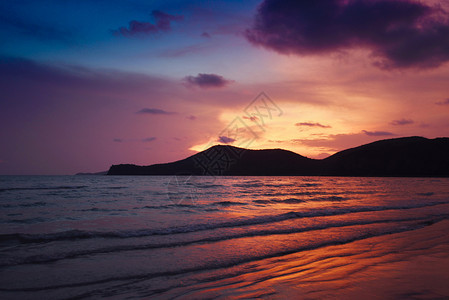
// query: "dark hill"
[[412, 156], [227, 160]]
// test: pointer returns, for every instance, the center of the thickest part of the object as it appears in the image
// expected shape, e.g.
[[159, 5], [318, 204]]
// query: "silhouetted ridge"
[[411, 156]]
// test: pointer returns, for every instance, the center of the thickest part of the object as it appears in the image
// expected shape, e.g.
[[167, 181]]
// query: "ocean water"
[[204, 237]]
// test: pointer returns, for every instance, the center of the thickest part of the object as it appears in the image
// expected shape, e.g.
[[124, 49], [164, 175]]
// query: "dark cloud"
[[162, 23], [252, 118], [136, 27], [163, 20], [444, 102], [207, 80], [225, 140], [377, 133], [154, 111], [118, 140], [402, 122], [205, 35], [19, 72], [33, 29], [400, 34], [310, 124], [191, 118], [150, 139]]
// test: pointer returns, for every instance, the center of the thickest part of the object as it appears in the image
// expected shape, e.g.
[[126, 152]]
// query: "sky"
[[88, 84]]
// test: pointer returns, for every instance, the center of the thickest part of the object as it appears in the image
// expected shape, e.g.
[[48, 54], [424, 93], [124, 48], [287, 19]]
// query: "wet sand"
[[408, 265]]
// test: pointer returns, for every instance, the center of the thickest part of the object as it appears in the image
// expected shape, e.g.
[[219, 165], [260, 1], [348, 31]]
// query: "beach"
[[165, 237]]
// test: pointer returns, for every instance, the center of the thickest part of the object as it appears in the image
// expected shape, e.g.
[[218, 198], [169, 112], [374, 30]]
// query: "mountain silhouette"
[[409, 156]]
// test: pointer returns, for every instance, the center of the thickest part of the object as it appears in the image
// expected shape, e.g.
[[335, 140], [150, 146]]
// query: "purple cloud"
[[163, 20], [310, 124], [178, 52], [377, 133], [117, 140], [136, 27], [207, 81], [402, 122], [163, 23], [191, 118], [401, 34], [205, 35], [154, 111], [225, 140], [150, 139], [444, 102]]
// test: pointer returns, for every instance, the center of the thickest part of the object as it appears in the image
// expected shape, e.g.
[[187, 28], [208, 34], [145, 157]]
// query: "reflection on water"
[[275, 237]]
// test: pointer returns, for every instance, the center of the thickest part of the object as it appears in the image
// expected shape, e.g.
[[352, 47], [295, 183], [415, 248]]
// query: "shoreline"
[[412, 264]]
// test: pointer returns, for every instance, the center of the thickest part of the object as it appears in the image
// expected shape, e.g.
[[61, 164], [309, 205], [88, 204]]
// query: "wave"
[[249, 185], [31, 204], [26, 221], [227, 263], [43, 188], [83, 234], [425, 194], [38, 259], [287, 201], [309, 184], [329, 198], [205, 185], [296, 200], [229, 203], [167, 206], [102, 209], [294, 194], [279, 185]]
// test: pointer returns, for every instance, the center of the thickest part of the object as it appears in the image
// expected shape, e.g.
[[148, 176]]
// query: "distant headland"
[[399, 157]]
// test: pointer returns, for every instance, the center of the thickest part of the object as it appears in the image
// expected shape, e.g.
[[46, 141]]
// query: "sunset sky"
[[88, 84]]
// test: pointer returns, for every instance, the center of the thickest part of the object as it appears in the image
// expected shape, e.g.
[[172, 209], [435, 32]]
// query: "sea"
[[199, 237]]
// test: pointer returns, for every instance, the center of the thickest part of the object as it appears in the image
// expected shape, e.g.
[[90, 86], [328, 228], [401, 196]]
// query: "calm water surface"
[[196, 237]]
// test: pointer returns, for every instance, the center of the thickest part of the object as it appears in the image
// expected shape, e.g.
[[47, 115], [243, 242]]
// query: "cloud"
[[205, 35], [310, 124], [150, 139], [225, 140], [162, 23], [117, 140], [41, 78], [402, 122], [444, 102], [377, 133], [336, 142], [34, 29], [191, 118], [188, 50], [401, 34], [163, 20], [154, 111], [323, 155], [252, 118], [207, 81]]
